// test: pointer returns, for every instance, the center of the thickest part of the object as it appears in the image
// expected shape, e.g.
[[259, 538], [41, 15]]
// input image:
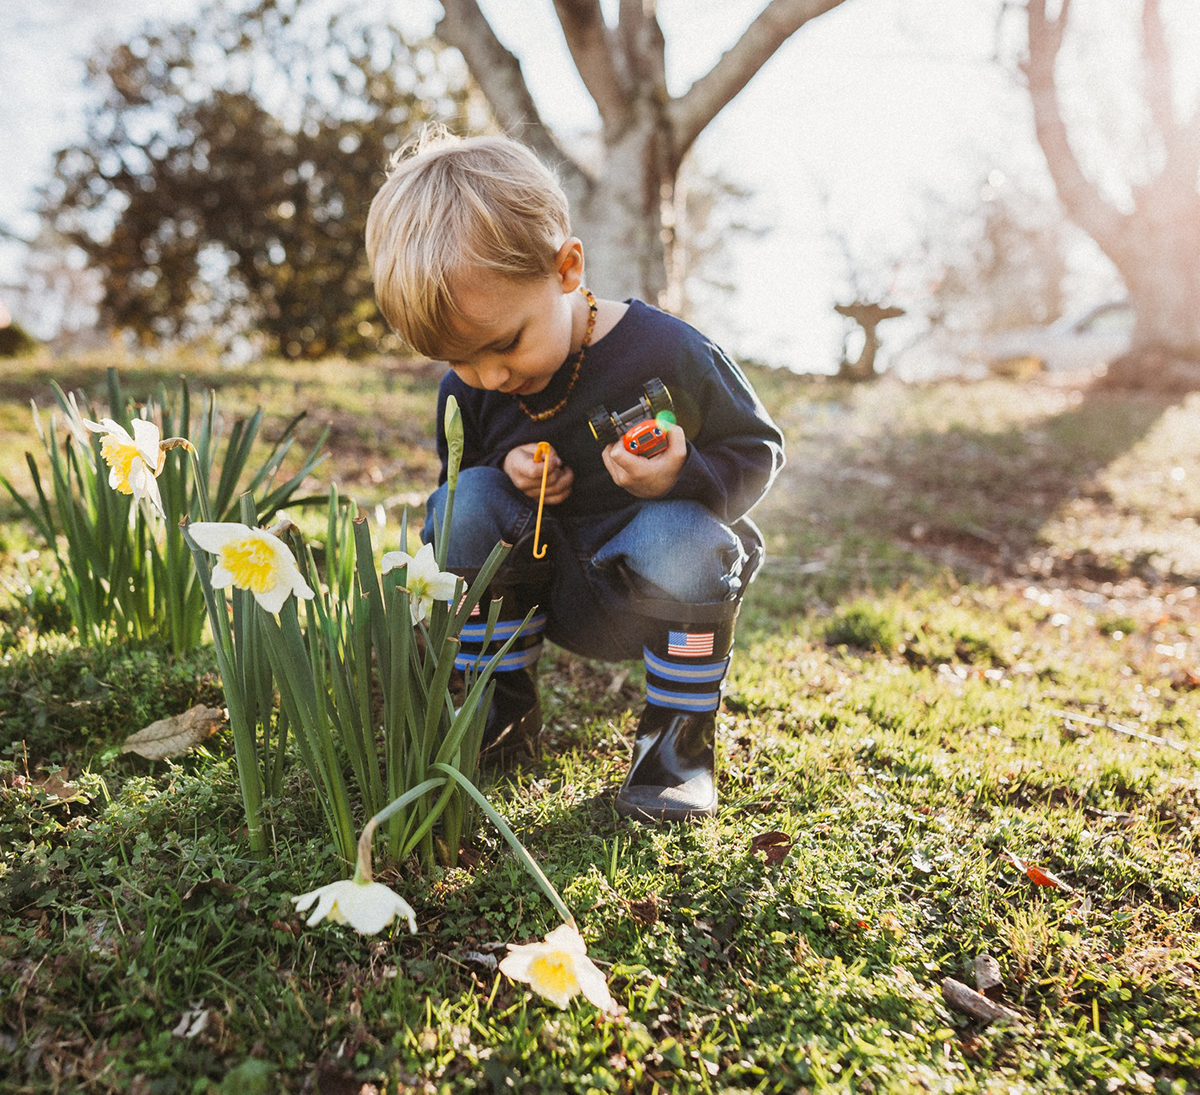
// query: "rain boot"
[[514, 720], [672, 776]]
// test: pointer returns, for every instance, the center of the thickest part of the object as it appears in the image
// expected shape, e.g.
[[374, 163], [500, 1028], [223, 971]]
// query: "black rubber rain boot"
[[515, 718], [672, 776]]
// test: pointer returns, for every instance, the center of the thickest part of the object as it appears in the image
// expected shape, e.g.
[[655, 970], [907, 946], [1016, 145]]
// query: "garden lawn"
[[977, 638]]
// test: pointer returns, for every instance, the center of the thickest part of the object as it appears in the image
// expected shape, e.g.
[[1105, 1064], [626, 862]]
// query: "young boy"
[[474, 263]]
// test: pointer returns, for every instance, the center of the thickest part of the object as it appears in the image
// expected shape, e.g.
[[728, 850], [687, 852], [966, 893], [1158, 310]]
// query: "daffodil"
[[368, 907], [425, 583], [251, 559], [558, 969], [134, 462]]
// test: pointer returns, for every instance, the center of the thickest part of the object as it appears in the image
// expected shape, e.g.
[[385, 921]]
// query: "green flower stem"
[[362, 870], [529, 862], [244, 746], [201, 483]]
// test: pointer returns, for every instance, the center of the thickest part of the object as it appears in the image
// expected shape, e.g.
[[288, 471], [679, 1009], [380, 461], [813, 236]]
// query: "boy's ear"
[[568, 265]]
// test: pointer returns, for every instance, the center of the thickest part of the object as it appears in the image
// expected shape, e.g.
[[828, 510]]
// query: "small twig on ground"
[[974, 1003], [1120, 728]]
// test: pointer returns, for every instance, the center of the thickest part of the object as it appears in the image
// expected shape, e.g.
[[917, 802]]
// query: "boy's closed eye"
[[507, 348]]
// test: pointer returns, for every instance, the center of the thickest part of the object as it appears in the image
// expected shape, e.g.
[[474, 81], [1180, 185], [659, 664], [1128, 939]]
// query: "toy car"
[[646, 439], [643, 426]]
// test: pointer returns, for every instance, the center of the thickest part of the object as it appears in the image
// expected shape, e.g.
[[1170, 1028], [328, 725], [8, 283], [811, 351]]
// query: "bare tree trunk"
[[621, 221], [623, 210], [1154, 246]]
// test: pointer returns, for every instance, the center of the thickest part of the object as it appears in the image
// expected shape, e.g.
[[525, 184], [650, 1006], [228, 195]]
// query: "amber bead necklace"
[[541, 416]]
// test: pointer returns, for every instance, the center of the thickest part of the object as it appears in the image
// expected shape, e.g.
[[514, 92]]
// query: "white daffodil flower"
[[559, 969], [368, 907], [134, 462], [251, 559], [425, 583]]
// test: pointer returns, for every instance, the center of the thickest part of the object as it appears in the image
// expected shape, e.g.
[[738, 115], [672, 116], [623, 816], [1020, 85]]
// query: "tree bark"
[[622, 208], [1154, 245]]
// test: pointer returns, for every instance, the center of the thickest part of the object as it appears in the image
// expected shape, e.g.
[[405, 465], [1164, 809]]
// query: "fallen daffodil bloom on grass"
[[251, 559], [135, 462], [368, 907], [559, 969], [425, 582]]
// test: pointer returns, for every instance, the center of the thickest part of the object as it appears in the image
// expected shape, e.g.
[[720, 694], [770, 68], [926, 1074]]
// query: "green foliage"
[[795, 942], [867, 625], [15, 341], [57, 698], [228, 165], [124, 576]]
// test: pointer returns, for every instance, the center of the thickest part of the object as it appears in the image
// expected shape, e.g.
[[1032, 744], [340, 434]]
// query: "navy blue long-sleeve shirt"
[[734, 449]]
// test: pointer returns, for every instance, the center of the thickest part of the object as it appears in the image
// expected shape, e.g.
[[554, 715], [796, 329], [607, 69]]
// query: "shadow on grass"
[[868, 500]]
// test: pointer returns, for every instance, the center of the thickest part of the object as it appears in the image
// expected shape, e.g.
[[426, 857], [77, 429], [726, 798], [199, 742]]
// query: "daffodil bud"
[[454, 440]]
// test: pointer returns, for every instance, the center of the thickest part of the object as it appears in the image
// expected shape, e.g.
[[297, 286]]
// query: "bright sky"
[[850, 126]]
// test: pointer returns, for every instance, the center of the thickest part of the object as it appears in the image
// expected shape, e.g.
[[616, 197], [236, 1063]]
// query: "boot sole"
[[663, 815]]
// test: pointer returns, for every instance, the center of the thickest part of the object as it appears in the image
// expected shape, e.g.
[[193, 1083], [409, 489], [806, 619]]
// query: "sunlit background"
[[866, 150]]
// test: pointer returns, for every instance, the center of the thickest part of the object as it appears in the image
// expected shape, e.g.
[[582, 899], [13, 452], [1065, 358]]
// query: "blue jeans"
[[603, 569]]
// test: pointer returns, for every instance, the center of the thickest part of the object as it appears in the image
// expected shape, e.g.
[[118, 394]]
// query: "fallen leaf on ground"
[[1036, 874], [773, 845], [175, 735], [193, 1022], [645, 910]]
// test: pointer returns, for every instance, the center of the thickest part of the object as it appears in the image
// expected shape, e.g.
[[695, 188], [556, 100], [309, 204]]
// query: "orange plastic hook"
[[540, 454]]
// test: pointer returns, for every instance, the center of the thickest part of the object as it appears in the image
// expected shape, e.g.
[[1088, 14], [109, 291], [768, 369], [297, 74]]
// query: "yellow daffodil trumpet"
[[135, 462], [559, 969], [251, 559]]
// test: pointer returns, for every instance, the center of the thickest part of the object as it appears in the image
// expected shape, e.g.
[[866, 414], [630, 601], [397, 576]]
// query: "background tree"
[[1152, 232], [227, 168], [997, 262], [623, 205]]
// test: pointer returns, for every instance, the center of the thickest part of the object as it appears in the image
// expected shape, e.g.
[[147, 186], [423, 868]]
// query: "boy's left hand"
[[647, 476]]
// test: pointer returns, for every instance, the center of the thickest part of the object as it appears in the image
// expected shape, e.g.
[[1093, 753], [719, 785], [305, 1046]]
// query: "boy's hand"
[[647, 476], [526, 474]]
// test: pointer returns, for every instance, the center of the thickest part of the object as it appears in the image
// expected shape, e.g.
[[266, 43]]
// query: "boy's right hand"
[[526, 473]]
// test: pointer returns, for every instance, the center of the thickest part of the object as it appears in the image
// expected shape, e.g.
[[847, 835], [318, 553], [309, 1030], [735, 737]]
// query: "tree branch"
[[1082, 201], [1189, 143], [498, 73], [1157, 63], [593, 50], [777, 22]]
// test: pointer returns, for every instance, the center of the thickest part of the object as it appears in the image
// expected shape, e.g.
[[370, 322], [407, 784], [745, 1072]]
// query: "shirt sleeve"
[[735, 450]]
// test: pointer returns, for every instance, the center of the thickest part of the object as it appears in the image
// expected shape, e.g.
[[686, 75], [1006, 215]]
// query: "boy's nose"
[[493, 377]]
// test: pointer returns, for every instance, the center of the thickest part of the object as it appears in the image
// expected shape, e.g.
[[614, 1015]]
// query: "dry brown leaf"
[[174, 736], [774, 846]]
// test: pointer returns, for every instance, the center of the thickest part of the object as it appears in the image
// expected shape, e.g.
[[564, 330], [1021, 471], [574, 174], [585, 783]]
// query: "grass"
[[977, 634]]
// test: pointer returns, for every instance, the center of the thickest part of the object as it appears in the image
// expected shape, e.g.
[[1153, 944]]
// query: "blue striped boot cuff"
[[477, 648], [682, 701], [683, 685]]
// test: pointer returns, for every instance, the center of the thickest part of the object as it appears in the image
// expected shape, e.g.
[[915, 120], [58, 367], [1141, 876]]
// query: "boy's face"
[[514, 334]]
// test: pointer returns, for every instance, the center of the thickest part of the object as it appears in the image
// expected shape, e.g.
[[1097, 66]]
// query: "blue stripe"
[[504, 629], [684, 701], [515, 659], [674, 671]]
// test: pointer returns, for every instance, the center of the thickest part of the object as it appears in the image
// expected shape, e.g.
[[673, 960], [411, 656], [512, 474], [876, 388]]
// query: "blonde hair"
[[454, 204]]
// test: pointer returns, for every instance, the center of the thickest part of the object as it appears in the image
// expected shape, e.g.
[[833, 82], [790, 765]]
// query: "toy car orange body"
[[646, 438]]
